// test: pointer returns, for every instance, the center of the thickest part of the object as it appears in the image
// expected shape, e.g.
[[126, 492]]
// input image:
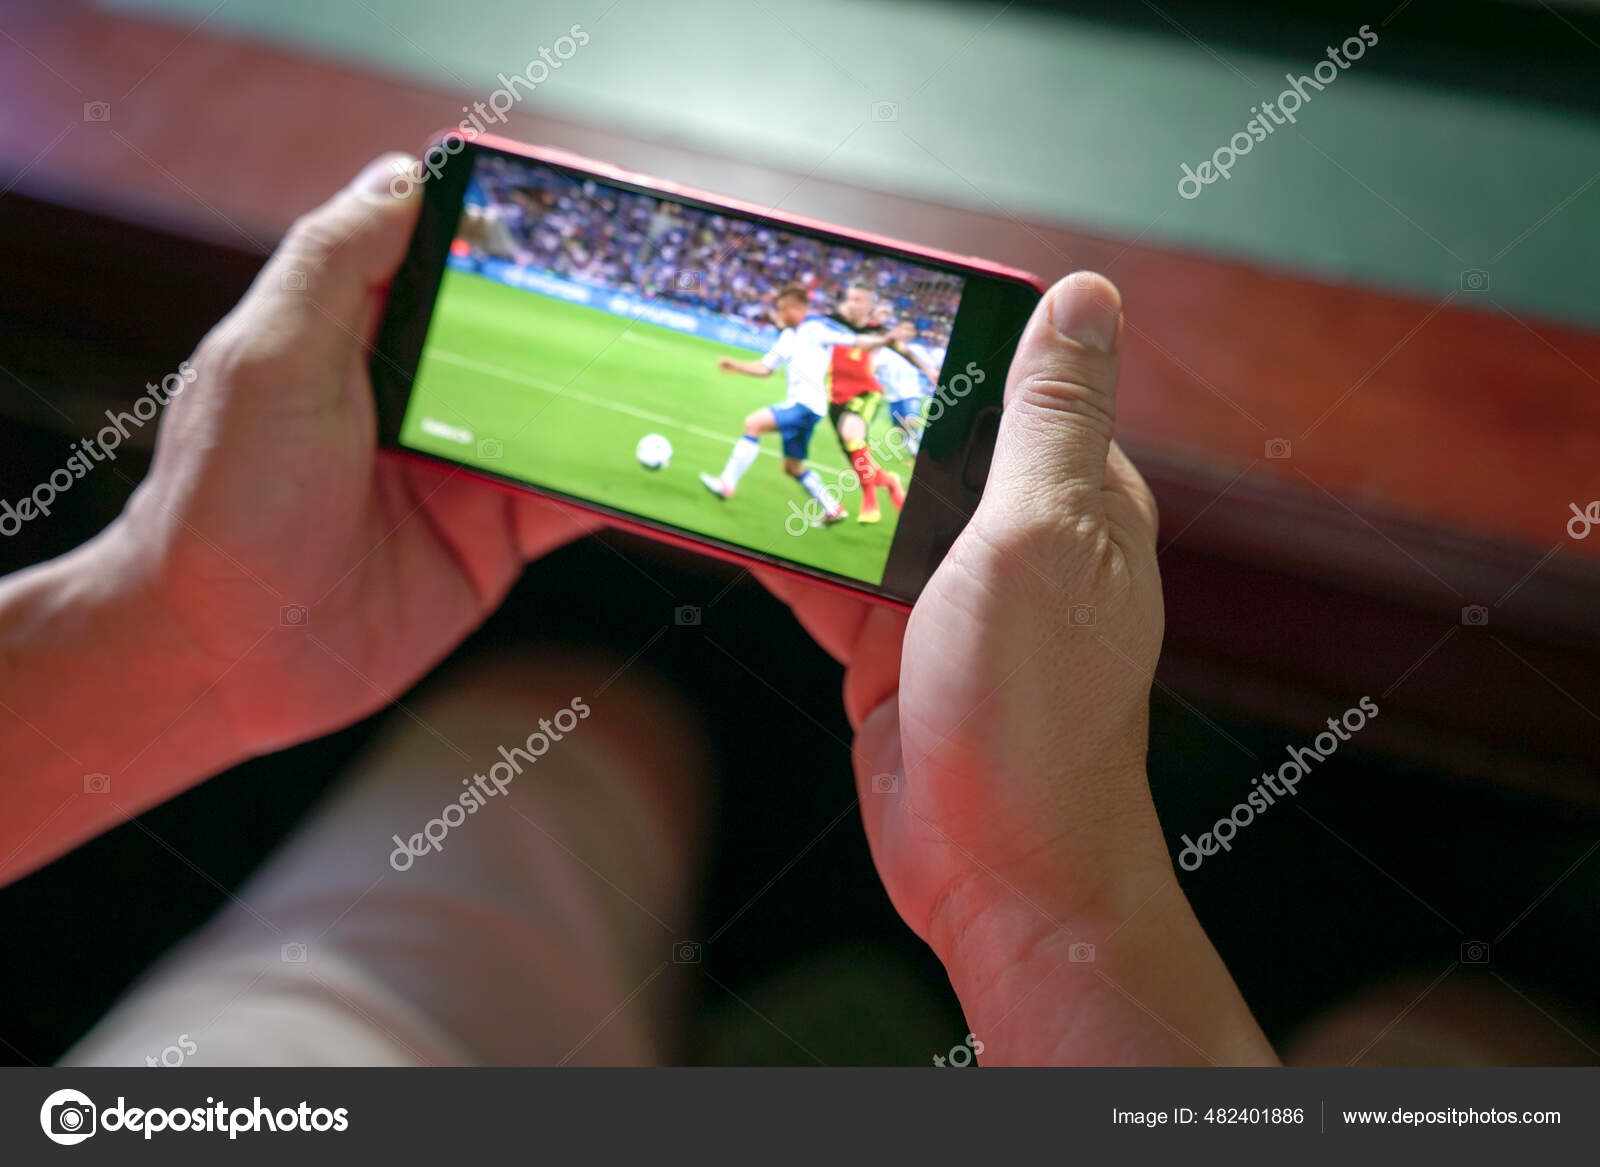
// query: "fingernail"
[[1087, 309], [394, 175]]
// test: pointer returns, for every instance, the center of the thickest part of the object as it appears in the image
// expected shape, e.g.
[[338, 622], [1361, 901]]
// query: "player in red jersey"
[[854, 394]]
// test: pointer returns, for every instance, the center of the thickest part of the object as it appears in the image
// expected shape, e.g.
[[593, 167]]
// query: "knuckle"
[[314, 237], [311, 233], [1152, 508], [1045, 549], [1134, 515], [237, 356], [1064, 392]]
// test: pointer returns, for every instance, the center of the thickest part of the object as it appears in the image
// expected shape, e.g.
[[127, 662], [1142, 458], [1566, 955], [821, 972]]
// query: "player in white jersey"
[[803, 349], [902, 384], [492, 226]]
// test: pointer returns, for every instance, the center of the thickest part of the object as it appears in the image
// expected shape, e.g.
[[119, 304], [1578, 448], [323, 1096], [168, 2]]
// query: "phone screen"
[[728, 377]]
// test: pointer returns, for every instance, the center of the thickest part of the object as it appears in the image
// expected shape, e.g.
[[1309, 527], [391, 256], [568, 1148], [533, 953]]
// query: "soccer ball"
[[653, 452]]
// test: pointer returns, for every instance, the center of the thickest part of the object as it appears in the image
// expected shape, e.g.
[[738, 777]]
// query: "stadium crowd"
[[638, 244]]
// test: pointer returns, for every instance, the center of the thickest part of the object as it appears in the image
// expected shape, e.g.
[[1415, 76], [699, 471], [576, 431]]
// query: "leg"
[[539, 929], [796, 425], [742, 456], [907, 417], [851, 422]]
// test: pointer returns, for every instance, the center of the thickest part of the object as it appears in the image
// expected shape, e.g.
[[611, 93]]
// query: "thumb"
[[1060, 402], [320, 285]]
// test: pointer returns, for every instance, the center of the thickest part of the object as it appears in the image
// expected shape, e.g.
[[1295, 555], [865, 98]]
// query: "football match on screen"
[[727, 376]]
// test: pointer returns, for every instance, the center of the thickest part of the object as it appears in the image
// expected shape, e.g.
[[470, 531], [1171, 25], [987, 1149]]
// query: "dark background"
[[1383, 866], [1305, 910]]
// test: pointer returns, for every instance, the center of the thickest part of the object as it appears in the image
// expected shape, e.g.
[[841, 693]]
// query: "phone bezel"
[[996, 302]]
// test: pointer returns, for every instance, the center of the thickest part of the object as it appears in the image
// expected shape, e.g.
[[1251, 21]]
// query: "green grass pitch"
[[569, 390]]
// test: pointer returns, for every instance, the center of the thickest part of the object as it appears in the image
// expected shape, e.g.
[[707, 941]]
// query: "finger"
[[879, 767], [833, 620], [1060, 403], [867, 638], [319, 286], [873, 675], [542, 525]]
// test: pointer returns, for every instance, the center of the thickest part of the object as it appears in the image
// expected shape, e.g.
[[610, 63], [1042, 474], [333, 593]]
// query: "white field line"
[[544, 386]]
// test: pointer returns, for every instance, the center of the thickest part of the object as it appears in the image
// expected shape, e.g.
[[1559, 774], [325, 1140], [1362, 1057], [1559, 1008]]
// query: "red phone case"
[[606, 170]]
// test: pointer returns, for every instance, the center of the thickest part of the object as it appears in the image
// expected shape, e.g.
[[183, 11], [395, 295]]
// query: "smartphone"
[[728, 377]]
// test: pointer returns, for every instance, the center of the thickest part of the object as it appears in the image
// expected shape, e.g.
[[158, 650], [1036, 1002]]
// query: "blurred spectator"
[[638, 244]]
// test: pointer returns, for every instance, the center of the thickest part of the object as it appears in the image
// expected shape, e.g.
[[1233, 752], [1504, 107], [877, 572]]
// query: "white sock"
[[816, 490], [740, 459]]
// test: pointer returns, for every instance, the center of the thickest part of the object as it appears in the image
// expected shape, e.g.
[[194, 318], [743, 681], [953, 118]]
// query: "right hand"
[[1001, 734]]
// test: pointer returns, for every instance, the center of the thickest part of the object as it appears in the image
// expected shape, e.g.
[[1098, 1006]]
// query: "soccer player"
[[491, 226], [854, 393], [908, 370], [803, 350], [902, 380]]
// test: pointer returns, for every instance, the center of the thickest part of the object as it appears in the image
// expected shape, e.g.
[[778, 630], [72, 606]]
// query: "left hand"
[[308, 579]]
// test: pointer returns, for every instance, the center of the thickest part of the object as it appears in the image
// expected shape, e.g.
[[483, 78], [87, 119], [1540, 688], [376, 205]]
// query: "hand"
[[1001, 735], [305, 579]]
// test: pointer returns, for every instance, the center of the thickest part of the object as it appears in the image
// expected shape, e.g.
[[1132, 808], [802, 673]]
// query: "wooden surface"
[[1462, 417], [1435, 448]]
